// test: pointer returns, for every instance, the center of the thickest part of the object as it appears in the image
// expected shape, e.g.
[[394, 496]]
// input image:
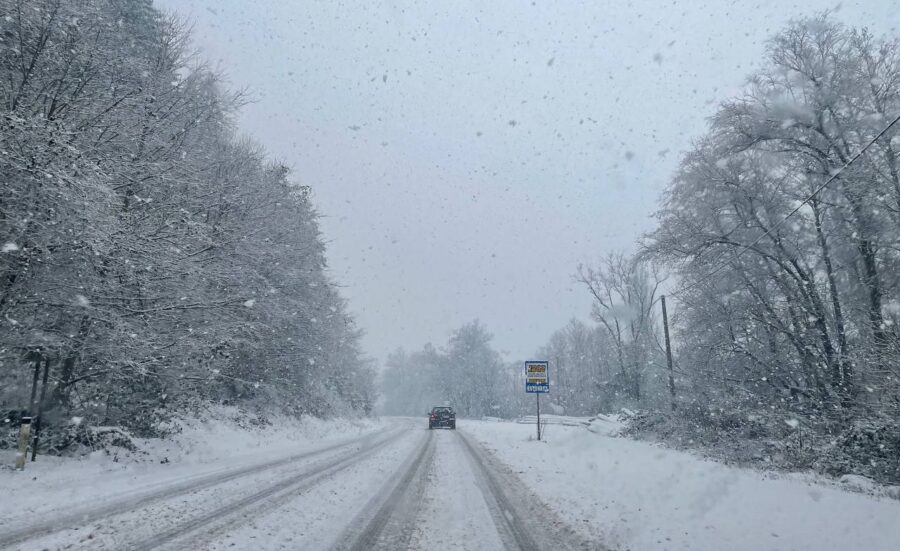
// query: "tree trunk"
[[841, 371]]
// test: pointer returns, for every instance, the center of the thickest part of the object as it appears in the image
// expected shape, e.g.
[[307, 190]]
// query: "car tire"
[[453, 425]]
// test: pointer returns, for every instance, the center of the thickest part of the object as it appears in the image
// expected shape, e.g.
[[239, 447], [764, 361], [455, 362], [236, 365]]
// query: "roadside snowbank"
[[227, 432], [222, 439], [610, 425], [638, 496]]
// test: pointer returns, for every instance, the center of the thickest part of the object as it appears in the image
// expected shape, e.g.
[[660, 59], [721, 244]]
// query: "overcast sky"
[[467, 156]]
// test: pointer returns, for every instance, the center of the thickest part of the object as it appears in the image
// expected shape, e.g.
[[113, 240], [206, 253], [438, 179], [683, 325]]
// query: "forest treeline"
[[780, 249], [151, 259]]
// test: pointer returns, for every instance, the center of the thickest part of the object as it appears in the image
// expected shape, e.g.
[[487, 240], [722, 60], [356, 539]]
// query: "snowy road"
[[393, 484], [404, 487]]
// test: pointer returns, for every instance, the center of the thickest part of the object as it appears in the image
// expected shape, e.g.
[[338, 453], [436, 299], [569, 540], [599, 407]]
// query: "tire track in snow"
[[258, 503], [510, 502], [78, 518], [389, 519]]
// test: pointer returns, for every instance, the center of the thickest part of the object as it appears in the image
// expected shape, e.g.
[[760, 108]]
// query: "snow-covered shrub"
[[869, 447]]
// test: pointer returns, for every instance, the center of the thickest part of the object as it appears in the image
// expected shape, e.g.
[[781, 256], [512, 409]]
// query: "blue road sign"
[[537, 376]]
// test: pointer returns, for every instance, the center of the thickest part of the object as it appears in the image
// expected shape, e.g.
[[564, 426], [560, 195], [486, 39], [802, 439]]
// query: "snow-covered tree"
[[782, 227], [152, 257]]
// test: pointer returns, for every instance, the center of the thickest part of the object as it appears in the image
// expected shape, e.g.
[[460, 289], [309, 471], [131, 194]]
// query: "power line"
[[815, 192]]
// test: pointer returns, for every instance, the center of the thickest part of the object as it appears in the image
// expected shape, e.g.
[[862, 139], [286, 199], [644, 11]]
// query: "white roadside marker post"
[[24, 438]]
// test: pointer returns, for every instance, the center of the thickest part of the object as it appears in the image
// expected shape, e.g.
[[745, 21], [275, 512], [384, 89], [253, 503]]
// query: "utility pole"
[[559, 376], [25, 426], [668, 351], [538, 396], [36, 357]]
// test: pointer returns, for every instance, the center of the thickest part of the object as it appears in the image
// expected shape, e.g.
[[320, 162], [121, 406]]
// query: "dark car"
[[442, 416]]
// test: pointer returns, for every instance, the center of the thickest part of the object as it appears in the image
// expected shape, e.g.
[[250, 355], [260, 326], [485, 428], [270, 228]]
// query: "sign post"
[[537, 382]]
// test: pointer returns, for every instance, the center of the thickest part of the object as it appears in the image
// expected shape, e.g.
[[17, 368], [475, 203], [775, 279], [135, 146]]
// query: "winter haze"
[[467, 156], [268, 271]]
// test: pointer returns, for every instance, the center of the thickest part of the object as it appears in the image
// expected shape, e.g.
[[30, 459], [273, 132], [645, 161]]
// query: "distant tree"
[[624, 292], [472, 371], [467, 375]]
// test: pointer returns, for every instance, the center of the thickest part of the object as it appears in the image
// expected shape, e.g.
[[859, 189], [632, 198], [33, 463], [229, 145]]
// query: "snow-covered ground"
[[216, 443], [388, 485], [638, 496], [393, 484]]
